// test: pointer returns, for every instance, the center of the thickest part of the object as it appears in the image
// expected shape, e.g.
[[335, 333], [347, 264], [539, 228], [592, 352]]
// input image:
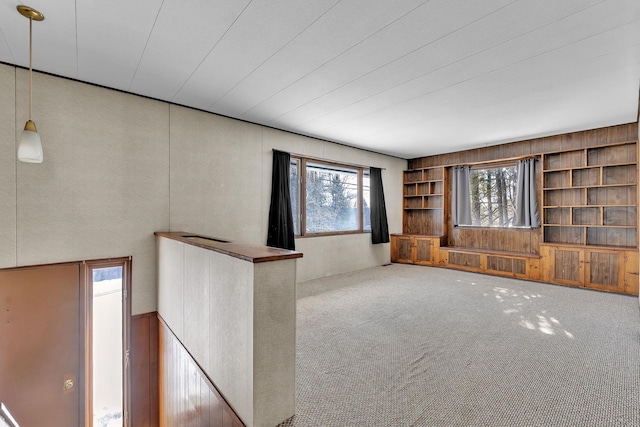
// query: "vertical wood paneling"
[[144, 370], [187, 397], [521, 241], [575, 140]]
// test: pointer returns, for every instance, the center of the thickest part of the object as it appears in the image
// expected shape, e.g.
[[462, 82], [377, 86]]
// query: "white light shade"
[[30, 147]]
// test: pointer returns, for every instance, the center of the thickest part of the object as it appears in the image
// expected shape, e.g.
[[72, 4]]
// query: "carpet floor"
[[404, 345]]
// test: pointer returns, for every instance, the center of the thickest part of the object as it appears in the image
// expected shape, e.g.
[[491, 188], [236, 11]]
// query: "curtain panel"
[[461, 196], [378, 213], [280, 233], [527, 214]]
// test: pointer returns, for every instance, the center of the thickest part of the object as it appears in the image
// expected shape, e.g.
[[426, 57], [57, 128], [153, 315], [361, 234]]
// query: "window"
[[493, 193], [328, 198]]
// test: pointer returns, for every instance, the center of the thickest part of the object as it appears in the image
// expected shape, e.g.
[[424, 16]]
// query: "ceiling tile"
[[111, 39], [263, 29]]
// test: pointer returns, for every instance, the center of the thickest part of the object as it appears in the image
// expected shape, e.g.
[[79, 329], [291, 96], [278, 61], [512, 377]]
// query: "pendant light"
[[30, 147]]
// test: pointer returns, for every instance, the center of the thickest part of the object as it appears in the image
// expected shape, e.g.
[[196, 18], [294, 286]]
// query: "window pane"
[[493, 194], [366, 203], [294, 188], [331, 203], [107, 347]]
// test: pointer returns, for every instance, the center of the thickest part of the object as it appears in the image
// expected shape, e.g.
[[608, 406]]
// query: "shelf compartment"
[[413, 176], [588, 177], [423, 221], [587, 216], [413, 202], [410, 190], [557, 179], [433, 202], [564, 160], [424, 188], [564, 234], [607, 236], [623, 216], [564, 197], [626, 174], [435, 174], [430, 188], [625, 195], [557, 216], [611, 155]]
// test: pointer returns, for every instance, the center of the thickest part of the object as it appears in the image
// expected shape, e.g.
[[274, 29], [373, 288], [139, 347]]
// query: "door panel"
[[39, 344], [424, 251], [401, 249], [568, 266], [605, 270]]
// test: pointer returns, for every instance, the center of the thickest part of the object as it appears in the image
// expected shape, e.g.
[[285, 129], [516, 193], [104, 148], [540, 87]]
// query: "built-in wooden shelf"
[[590, 196], [424, 200]]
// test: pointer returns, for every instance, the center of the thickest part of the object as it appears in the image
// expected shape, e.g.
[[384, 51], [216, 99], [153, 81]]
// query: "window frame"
[[302, 195]]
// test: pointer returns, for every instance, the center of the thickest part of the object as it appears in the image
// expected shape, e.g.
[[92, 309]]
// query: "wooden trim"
[[87, 285], [302, 204], [331, 162], [490, 252], [244, 251], [332, 233], [144, 370], [359, 169]]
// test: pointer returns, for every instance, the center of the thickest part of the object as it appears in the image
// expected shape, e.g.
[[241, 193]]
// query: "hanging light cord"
[[30, 62]]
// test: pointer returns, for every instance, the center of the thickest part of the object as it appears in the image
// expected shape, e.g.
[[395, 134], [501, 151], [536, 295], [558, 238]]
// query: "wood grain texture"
[[244, 251], [587, 187], [575, 140], [187, 396], [144, 370]]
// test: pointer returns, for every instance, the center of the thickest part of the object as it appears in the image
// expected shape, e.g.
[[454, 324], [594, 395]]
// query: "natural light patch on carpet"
[[516, 301], [418, 346]]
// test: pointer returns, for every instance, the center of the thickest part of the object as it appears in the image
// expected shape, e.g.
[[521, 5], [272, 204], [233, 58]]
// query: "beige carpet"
[[417, 346]]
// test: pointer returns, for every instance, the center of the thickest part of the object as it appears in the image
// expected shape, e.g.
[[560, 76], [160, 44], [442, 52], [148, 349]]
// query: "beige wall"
[[119, 167]]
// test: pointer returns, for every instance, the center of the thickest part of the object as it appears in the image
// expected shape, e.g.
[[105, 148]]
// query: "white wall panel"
[[170, 284], [8, 131], [231, 323], [109, 161], [216, 174], [196, 303], [328, 255], [102, 189]]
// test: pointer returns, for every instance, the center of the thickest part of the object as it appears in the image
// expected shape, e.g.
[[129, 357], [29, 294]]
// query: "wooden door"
[[604, 270], [631, 276], [402, 249], [40, 380], [564, 265], [423, 251]]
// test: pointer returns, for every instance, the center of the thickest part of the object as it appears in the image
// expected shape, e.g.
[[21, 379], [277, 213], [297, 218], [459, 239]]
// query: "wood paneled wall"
[[567, 141], [144, 370], [508, 240], [186, 396], [517, 241]]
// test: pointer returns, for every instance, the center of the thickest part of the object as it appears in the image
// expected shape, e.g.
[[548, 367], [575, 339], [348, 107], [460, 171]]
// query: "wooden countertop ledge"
[[244, 251]]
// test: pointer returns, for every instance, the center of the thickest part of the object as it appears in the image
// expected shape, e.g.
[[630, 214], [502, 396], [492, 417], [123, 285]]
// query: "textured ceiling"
[[403, 77]]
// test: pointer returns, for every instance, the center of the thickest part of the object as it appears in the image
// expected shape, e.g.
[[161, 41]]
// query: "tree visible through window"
[[493, 193], [336, 198]]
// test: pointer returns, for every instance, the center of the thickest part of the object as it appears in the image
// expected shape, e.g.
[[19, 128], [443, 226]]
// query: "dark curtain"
[[280, 233], [461, 196], [378, 213], [527, 214]]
